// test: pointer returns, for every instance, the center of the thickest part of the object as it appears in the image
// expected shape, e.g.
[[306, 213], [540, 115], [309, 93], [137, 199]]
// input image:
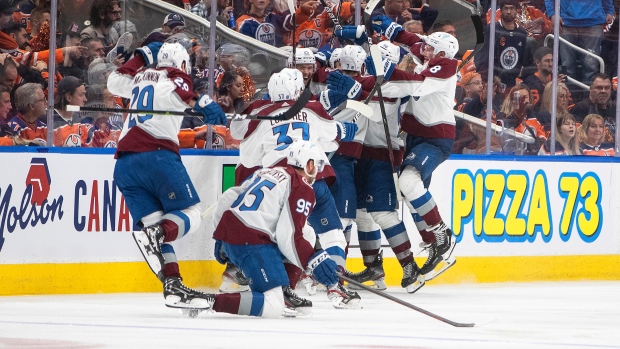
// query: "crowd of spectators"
[[95, 37]]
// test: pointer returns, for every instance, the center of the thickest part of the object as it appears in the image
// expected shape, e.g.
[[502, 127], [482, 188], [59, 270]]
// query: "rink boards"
[[64, 226]]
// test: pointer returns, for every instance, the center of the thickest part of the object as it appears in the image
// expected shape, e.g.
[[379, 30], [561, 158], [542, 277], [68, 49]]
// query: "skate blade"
[[416, 285], [440, 268], [154, 262], [196, 303], [229, 286], [339, 304], [302, 312], [191, 313], [376, 284]]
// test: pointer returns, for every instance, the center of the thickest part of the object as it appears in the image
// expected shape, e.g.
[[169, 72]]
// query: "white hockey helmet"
[[300, 152], [282, 87], [389, 51], [443, 42], [297, 77], [173, 54], [304, 56], [335, 57], [353, 58]]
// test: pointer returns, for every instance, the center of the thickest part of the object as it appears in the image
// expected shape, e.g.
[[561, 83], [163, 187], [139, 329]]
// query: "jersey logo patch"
[[310, 38], [266, 33], [509, 58]]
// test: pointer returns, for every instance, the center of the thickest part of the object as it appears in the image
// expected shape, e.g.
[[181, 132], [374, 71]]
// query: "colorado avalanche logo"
[[73, 141], [266, 33], [310, 38], [509, 58], [110, 144]]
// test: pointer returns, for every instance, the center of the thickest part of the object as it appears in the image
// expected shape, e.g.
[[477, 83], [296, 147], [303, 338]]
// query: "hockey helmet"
[[282, 87], [298, 78], [335, 57], [304, 56], [353, 58], [443, 42], [300, 152], [389, 51], [174, 55]]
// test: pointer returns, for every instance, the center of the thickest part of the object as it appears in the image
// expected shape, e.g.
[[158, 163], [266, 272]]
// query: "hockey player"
[[429, 123], [149, 172], [259, 138], [260, 223], [373, 185]]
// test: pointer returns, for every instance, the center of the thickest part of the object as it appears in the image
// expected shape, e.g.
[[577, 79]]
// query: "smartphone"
[[515, 100], [562, 70]]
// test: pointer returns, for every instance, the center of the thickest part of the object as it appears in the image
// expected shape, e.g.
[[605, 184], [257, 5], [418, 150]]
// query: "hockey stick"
[[378, 63], [292, 111], [408, 305], [361, 108]]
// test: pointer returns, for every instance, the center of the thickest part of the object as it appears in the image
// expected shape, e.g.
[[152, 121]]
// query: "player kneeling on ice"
[[149, 172], [260, 223]]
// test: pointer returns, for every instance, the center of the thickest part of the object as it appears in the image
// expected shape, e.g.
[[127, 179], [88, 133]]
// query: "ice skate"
[[177, 295], [342, 298], [295, 306], [233, 280], [149, 240], [374, 272], [309, 283], [439, 253], [412, 280]]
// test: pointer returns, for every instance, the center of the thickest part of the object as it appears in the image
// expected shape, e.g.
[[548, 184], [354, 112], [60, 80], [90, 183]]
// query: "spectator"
[[100, 96], [544, 68], [591, 136], [103, 13], [6, 133], [414, 26], [262, 26], [8, 71], [517, 113], [173, 23], [68, 129], [18, 32], [566, 142], [581, 23], [472, 88], [230, 92], [510, 40], [31, 104], [71, 36], [231, 56], [599, 101], [544, 114], [203, 9], [38, 16], [424, 13], [103, 134], [446, 26], [395, 10], [7, 7]]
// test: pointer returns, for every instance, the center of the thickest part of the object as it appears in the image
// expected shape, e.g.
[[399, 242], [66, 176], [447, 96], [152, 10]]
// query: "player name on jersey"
[[150, 76], [301, 116]]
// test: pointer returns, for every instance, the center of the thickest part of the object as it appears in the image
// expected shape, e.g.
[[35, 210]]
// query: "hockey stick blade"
[[406, 304], [359, 107], [377, 61]]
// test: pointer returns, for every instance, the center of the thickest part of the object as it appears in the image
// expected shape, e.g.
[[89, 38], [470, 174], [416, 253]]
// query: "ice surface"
[[525, 315]]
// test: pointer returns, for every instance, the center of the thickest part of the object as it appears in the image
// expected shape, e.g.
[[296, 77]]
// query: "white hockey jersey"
[[151, 89], [263, 142], [270, 207]]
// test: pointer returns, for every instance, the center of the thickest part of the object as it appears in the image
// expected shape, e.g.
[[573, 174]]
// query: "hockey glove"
[[149, 52], [331, 99], [324, 268], [388, 67], [346, 131], [212, 112], [220, 256], [323, 55], [383, 25], [351, 32], [344, 84]]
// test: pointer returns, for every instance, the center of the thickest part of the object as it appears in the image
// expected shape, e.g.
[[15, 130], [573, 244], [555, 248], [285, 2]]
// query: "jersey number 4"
[[141, 99]]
